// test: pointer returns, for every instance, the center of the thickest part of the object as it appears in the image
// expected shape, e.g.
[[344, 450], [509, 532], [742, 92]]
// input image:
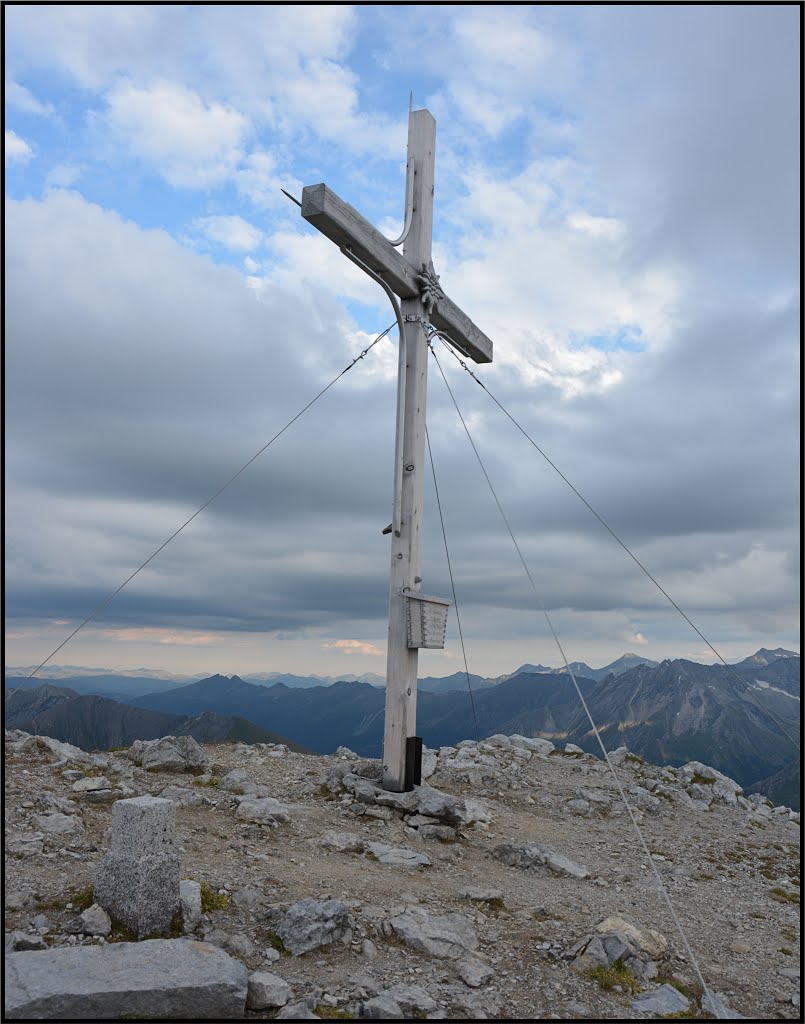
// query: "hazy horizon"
[[69, 669]]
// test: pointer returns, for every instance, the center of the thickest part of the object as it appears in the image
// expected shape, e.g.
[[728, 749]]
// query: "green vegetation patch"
[[212, 782], [120, 933], [495, 903], [785, 897], [82, 899], [212, 900], [276, 942], [331, 1013], [615, 974], [680, 986]]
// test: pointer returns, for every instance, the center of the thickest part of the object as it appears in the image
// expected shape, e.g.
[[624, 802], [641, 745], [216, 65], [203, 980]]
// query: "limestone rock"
[[498, 740], [647, 940], [346, 753], [237, 781], [311, 923], [296, 1011], [447, 936], [57, 823], [169, 753], [641, 799], [397, 856], [479, 895], [267, 991], [90, 783], [63, 751], [265, 810], [239, 945], [150, 980], [662, 1000], [250, 900], [724, 788], [430, 761], [474, 972], [382, 1007], [18, 941], [533, 855], [190, 904], [435, 804], [343, 842], [442, 833], [183, 797], [25, 845], [411, 999], [105, 796], [535, 744], [94, 921]]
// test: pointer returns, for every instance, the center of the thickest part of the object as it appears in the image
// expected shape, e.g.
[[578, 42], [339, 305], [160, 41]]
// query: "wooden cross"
[[411, 276]]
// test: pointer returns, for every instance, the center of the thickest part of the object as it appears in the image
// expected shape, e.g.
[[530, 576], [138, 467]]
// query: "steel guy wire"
[[594, 727], [634, 557], [209, 501], [452, 583]]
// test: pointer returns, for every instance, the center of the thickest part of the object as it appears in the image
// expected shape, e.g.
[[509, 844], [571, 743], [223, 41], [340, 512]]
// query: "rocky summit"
[[511, 885]]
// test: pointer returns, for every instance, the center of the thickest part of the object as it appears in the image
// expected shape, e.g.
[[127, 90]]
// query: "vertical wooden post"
[[406, 550]]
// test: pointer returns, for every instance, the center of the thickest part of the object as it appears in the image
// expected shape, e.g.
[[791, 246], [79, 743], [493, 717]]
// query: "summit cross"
[[411, 276]]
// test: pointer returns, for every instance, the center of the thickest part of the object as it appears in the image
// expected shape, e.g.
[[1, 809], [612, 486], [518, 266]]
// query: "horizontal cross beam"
[[342, 224]]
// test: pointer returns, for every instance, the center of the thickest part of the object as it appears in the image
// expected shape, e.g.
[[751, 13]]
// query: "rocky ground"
[[489, 892]]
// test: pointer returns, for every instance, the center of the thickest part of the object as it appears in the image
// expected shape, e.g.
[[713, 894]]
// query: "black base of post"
[[413, 763]]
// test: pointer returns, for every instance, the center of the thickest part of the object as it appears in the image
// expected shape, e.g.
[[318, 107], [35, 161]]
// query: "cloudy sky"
[[616, 207]]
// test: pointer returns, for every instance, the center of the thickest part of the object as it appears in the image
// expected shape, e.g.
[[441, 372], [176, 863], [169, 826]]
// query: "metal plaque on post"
[[427, 620]]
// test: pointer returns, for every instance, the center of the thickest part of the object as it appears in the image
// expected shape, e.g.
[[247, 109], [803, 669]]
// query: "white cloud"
[[62, 176], [233, 232], [20, 98], [191, 143], [595, 227], [539, 280], [352, 647], [17, 150], [160, 635]]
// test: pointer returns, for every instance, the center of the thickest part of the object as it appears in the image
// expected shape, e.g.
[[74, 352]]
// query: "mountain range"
[[671, 712], [98, 723], [136, 683]]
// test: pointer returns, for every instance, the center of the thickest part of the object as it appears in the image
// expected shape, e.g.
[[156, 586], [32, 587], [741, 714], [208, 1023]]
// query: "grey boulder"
[[151, 980], [311, 923], [397, 856], [168, 754], [534, 855], [662, 1000], [446, 936], [263, 810], [267, 991]]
